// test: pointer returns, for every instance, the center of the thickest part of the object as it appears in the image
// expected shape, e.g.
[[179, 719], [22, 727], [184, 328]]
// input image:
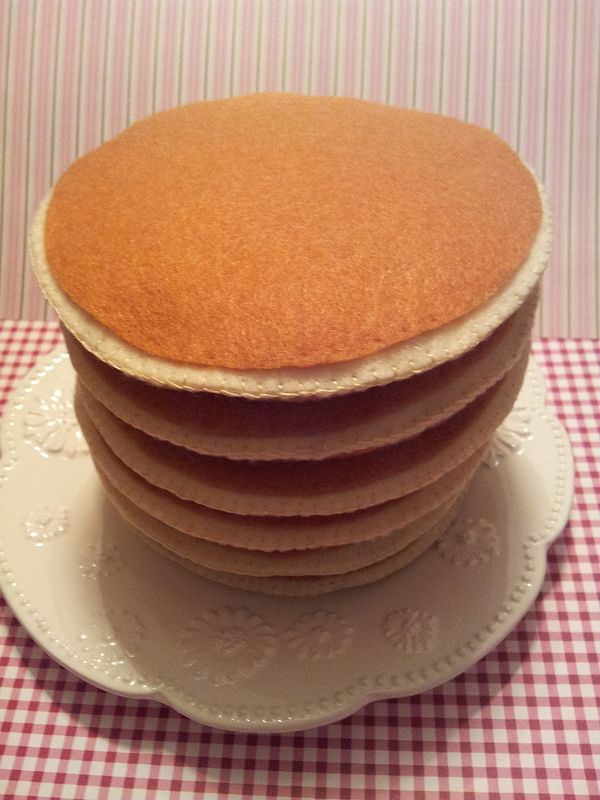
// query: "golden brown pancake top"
[[280, 230]]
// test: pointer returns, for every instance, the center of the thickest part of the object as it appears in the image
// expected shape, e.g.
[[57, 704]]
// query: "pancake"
[[309, 488], [306, 563], [304, 292], [313, 429], [151, 532], [296, 323], [307, 586], [274, 533], [183, 212]]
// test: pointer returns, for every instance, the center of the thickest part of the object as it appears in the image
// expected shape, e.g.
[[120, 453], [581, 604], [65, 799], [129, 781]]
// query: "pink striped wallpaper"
[[75, 72]]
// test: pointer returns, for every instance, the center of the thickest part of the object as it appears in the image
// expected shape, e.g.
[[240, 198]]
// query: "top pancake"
[[275, 231]]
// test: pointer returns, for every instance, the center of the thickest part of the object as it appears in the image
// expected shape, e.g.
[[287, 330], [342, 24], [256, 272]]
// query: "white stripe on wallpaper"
[[75, 72]]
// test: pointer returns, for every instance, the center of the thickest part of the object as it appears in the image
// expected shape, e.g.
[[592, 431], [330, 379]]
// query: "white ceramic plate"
[[112, 611]]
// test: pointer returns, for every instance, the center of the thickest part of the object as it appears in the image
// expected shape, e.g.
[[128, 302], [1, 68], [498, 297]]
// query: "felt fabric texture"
[[398, 362], [336, 560], [307, 488], [240, 428], [273, 231], [295, 586], [270, 534]]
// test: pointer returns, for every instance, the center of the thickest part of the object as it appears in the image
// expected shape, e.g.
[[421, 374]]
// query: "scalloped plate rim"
[[300, 721]]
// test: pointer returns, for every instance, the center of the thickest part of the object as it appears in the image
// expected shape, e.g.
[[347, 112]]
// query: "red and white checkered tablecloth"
[[524, 722]]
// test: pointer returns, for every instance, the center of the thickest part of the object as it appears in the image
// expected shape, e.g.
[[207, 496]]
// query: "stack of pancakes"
[[296, 324]]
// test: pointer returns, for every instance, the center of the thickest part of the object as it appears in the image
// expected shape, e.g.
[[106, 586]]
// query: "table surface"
[[523, 722]]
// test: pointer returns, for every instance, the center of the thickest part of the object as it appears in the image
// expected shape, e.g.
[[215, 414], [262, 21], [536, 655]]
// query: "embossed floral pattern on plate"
[[226, 644], [100, 646], [43, 523], [319, 635], [470, 541], [51, 425], [112, 647], [410, 630], [510, 436], [102, 560]]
